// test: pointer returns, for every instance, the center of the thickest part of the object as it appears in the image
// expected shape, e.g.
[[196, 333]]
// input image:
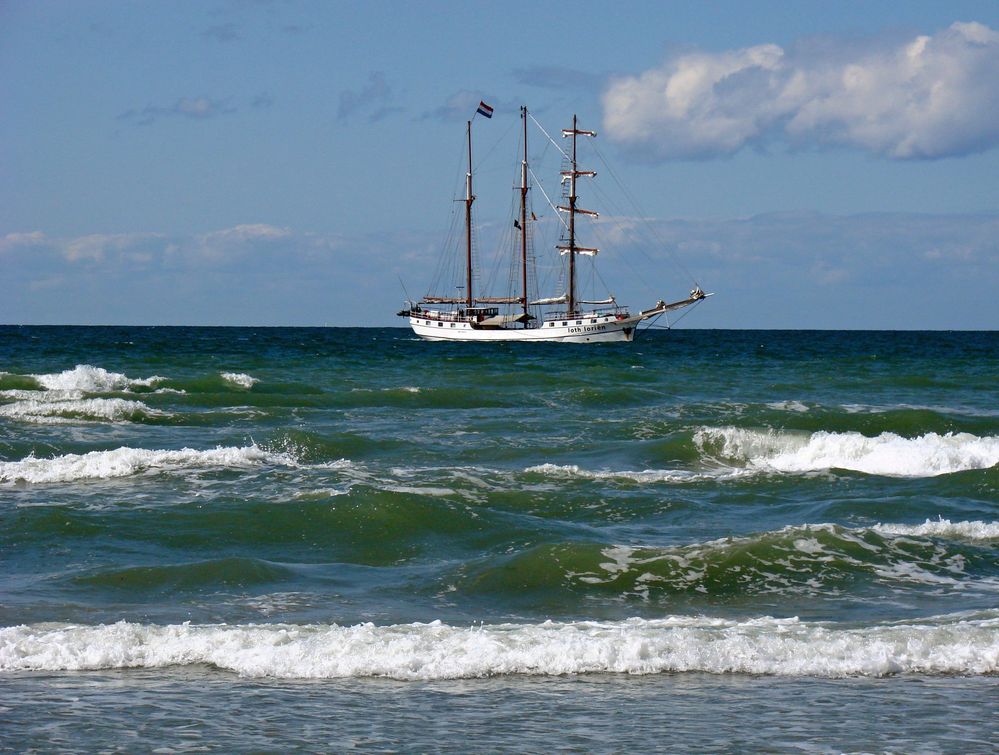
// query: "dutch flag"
[[484, 109]]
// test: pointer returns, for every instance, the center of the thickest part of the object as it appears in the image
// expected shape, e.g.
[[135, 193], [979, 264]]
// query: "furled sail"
[[552, 300], [586, 251], [444, 300]]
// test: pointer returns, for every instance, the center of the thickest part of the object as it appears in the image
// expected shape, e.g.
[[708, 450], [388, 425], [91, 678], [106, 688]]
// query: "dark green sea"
[[325, 539]]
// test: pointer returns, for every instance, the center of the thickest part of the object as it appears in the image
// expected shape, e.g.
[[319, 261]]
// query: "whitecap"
[[61, 411], [887, 454], [240, 378], [956, 644], [125, 461], [944, 528], [85, 377]]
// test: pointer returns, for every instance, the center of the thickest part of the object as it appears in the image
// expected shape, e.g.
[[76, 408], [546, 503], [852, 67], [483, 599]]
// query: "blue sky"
[[284, 163]]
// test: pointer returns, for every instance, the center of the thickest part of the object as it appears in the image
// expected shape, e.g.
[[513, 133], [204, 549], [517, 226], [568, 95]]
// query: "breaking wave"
[[65, 410], [85, 377], [952, 644], [240, 378], [887, 454], [125, 461], [944, 528]]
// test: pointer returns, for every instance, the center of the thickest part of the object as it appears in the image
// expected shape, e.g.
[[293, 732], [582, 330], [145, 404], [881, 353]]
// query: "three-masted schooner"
[[562, 317]]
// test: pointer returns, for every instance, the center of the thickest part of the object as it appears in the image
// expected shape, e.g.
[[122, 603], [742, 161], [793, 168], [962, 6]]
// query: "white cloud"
[[99, 247], [14, 242], [924, 97], [792, 269]]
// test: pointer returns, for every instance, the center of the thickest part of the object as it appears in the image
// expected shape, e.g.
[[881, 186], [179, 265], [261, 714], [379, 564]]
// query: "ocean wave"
[[57, 411], [85, 377], [959, 644], [887, 454], [125, 461], [240, 378], [812, 560]]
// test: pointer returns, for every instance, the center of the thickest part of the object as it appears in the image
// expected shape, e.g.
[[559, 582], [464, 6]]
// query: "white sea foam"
[[240, 378], [956, 644], [85, 377], [48, 411], [121, 462], [644, 476], [789, 406], [24, 394], [886, 454], [944, 528]]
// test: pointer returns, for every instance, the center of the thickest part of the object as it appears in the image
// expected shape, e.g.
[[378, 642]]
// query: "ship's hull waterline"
[[585, 330]]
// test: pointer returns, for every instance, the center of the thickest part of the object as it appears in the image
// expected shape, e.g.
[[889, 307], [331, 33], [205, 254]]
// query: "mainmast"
[[469, 198], [572, 249]]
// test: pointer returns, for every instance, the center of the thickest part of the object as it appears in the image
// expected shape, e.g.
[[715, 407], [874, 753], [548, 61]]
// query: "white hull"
[[587, 329]]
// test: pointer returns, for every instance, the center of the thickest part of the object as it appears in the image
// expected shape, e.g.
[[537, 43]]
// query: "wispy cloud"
[[461, 106], [558, 77], [228, 32], [924, 97], [262, 101], [195, 108], [374, 99]]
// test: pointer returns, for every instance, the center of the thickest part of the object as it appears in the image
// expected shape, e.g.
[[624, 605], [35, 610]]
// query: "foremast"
[[571, 248]]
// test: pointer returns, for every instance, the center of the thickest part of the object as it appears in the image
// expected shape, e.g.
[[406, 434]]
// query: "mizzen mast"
[[571, 248]]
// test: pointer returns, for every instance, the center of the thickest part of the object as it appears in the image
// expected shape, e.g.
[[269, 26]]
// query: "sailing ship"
[[562, 316]]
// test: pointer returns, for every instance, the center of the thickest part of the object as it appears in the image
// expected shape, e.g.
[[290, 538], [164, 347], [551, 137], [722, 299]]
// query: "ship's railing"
[[461, 315], [572, 316]]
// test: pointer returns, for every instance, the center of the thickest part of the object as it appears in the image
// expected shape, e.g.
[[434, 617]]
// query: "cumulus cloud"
[[925, 97]]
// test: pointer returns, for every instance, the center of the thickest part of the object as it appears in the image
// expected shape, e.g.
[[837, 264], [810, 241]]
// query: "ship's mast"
[[572, 249], [469, 198], [572, 224], [523, 216]]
